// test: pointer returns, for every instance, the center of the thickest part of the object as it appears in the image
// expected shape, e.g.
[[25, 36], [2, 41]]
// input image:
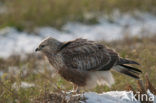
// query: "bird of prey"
[[86, 63]]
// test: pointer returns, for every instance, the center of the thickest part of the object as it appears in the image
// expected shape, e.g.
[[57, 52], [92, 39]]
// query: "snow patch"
[[112, 97], [15, 42]]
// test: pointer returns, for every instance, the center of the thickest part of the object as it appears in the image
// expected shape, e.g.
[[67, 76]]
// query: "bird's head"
[[48, 45]]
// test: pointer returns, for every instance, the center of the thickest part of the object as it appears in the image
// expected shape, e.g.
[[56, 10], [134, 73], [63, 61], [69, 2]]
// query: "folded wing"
[[87, 55]]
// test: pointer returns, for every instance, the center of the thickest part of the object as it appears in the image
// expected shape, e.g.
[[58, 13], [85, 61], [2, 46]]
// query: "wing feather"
[[88, 55]]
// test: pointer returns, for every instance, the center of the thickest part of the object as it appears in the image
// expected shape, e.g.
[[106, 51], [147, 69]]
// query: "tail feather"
[[130, 74], [128, 70], [126, 61], [136, 70]]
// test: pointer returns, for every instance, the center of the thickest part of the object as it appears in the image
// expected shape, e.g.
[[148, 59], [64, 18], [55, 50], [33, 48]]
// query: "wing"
[[87, 55]]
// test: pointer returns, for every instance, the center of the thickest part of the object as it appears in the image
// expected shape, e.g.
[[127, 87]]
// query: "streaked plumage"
[[86, 63]]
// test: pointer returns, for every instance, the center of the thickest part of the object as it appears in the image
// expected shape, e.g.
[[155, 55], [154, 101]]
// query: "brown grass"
[[142, 90], [24, 14], [35, 69]]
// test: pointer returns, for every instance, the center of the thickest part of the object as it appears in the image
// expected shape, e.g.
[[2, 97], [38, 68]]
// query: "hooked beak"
[[37, 49]]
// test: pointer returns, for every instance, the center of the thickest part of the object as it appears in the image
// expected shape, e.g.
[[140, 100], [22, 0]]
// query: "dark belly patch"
[[77, 77]]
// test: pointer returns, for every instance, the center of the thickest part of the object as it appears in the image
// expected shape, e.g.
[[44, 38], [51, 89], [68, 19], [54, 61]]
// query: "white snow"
[[113, 97], [15, 42]]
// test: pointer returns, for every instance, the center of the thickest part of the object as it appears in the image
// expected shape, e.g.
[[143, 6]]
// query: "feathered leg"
[[76, 89]]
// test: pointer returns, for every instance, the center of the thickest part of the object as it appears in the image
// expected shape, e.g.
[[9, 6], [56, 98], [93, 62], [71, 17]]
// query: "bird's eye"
[[42, 46]]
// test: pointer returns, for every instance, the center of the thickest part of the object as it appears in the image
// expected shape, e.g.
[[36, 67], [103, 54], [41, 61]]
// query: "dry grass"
[[34, 69], [142, 89], [24, 14], [59, 97]]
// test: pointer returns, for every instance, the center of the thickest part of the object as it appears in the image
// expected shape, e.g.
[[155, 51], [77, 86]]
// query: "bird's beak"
[[37, 49]]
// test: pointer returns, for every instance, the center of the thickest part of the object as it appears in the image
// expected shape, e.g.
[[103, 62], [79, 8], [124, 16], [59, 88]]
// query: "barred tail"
[[128, 70]]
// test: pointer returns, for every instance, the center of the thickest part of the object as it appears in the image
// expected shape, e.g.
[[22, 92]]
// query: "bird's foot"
[[74, 92]]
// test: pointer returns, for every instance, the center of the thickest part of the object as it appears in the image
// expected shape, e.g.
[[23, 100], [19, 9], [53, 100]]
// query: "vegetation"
[[24, 14], [34, 69]]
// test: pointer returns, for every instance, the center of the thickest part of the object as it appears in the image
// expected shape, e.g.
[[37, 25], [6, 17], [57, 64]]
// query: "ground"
[[25, 79]]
